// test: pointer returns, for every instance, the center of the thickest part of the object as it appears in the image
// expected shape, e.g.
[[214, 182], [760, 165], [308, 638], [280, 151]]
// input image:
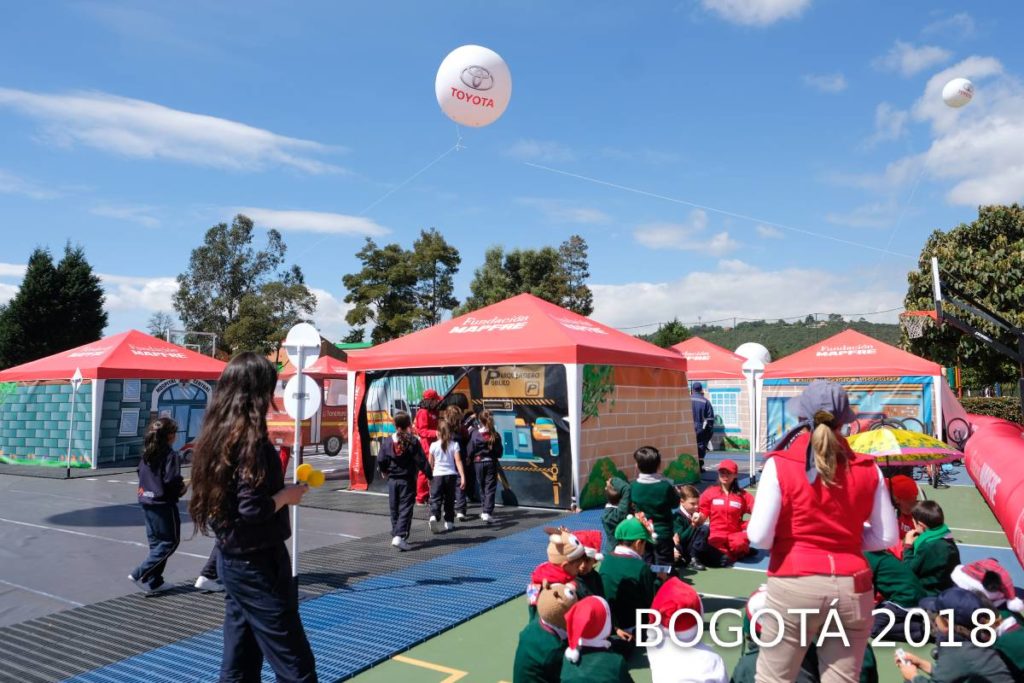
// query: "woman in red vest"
[[725, 506], [819, 507]]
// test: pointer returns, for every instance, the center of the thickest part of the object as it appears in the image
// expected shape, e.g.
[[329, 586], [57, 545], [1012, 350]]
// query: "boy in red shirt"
[[726, 504]]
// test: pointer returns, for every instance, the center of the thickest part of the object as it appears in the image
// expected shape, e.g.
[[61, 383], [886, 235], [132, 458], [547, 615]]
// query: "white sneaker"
[[399, 542], [486, 517], [209, 585], [434, 524], [448, 526], [461, 517]]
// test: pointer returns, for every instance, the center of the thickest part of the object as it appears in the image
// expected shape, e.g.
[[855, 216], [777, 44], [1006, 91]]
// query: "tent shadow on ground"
[[104, 516]]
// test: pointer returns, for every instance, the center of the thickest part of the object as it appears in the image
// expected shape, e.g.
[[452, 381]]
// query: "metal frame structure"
[[946, 294], [183, 333]]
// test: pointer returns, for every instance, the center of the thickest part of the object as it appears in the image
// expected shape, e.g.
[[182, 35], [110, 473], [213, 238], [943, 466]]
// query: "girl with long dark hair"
[[160, 487], [484, 450], [239, 493], [449, 476], [460, 419]]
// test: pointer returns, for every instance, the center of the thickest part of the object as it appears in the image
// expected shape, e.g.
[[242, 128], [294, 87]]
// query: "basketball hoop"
[[914, 323]]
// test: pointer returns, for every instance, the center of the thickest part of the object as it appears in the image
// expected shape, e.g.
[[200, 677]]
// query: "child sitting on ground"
[[590, 657], [629, 583], [616, 492], [904, 495], [898, 590], [565, 558], [725, 505], [589, 581], [670, 662], [690, 537], [930, 550], [656, 497], [539, 654], [988, 578]]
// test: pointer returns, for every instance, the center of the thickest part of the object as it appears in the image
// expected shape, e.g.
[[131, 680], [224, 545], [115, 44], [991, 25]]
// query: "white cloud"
[[7, 292], [756, 12], [140, 214], [907, 60], [960, 25], [12, 184], [314, 221], [127, 292], [689, 236], [140, 129], [12, 270], [540, 150], [738, 289], [828, 83], [890, 123], [768, 232], [563, 212], [330, 314]]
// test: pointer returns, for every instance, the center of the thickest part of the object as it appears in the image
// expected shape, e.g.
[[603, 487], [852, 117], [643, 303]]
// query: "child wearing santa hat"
[[588, 581], [629, 583], [589, 657], [542, 643], [989, 578], [904, 494], [672, 663], [566, 556]]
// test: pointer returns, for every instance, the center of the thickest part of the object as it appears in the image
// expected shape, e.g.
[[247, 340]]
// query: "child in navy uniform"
[[401, 457], [160, 487]]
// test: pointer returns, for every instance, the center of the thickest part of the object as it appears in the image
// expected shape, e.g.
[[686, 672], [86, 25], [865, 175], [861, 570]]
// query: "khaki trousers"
[[837, 663]]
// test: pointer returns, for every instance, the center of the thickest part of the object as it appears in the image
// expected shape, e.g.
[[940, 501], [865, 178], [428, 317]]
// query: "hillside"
[[782, 339]]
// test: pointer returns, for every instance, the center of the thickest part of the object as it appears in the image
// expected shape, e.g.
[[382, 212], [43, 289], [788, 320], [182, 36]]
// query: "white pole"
[[71, 427], [574, 382], [297, 454]]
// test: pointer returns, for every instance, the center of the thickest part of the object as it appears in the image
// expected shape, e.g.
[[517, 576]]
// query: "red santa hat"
[[552, 573], [591, 541], [988, 572], [757, 601], [674, 595], [588, 623], [903, 487]]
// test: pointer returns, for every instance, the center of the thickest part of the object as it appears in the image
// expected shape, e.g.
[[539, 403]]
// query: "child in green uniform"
[[629, 583], [988, 578], [566, 556], [588, 582], [689, 537], [616, 492], [657, 498], [900, 591], [542, 643], [589, 657], [931, 552]]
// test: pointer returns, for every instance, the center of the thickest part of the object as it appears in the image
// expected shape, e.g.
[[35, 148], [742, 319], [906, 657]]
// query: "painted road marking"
[[453, 674], [43, 593]]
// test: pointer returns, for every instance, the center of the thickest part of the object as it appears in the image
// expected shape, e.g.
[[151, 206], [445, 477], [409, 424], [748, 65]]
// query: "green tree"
[[159, 323], [573, 253], [264, 317], [490, 282], [356, 335], [56, 308], [669, 334], [224, 271], [983, 260], [383, 291], [436, 263]]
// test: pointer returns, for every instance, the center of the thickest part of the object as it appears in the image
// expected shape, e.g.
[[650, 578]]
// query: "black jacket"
[[253, 525], [479, 449], [161, 484], [403, 466]]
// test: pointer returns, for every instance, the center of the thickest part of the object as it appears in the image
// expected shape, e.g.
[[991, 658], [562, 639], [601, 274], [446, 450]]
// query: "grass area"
[[483, 649]]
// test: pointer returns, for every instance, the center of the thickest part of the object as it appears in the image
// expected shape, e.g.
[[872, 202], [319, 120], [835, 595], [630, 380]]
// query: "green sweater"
[[966, 664], [657, 500], [589, 584], [629, 584], [1010, 646], [612, 517], [894, 580], [933, 564], [539, 655], [596, 666]]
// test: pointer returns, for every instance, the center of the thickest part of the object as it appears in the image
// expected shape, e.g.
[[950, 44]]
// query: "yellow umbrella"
[[903, 448]]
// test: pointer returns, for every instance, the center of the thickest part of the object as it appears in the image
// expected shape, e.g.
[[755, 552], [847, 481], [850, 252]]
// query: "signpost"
[[302, 400], [753, 370], [76, 382]]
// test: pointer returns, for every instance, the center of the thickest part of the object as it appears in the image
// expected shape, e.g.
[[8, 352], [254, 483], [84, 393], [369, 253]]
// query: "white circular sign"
[[473, 86], [305, 337], [311, 398], [957, 92]]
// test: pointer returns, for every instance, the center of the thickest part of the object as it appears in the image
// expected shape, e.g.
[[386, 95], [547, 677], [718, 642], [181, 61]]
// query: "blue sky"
[[133, 127]]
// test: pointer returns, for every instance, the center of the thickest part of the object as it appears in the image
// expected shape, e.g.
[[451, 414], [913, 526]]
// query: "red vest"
[[820, 527], [725, 510]]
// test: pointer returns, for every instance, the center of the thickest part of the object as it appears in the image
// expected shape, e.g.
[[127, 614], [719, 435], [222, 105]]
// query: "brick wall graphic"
[[34, 423]]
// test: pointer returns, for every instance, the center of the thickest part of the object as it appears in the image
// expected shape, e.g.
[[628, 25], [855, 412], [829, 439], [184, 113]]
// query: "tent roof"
[[523, 329], [850, 354], [129, 355], [325, 367], [705, 360]]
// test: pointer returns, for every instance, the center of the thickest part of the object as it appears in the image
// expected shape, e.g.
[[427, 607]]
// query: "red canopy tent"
[[528, 342], [129, 355], [705, 360], [850, 354], [325, 367]]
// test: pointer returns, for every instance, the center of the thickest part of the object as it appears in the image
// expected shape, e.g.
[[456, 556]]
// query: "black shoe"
[[696, 566]]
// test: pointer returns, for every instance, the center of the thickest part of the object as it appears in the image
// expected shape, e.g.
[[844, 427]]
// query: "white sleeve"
[[883, 531], [767, 506]]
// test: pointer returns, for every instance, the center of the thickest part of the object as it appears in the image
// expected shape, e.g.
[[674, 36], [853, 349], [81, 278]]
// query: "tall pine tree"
[[577, 271]]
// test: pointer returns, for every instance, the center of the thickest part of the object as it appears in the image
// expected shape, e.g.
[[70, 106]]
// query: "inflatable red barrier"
[[993, 458]]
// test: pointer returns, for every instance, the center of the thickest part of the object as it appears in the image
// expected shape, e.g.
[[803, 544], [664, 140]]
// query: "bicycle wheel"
[[958, 430], [912, 424]]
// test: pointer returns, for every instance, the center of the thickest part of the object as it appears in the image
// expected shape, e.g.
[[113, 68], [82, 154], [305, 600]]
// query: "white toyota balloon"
[[473, 86], [957, 92]]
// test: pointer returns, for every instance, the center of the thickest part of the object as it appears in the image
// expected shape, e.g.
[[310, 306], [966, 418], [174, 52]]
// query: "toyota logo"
[[477, 78]]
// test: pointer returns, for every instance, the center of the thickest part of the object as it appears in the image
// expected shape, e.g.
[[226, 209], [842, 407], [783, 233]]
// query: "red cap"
[[729, 466], [903, 487], [431, 395]]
